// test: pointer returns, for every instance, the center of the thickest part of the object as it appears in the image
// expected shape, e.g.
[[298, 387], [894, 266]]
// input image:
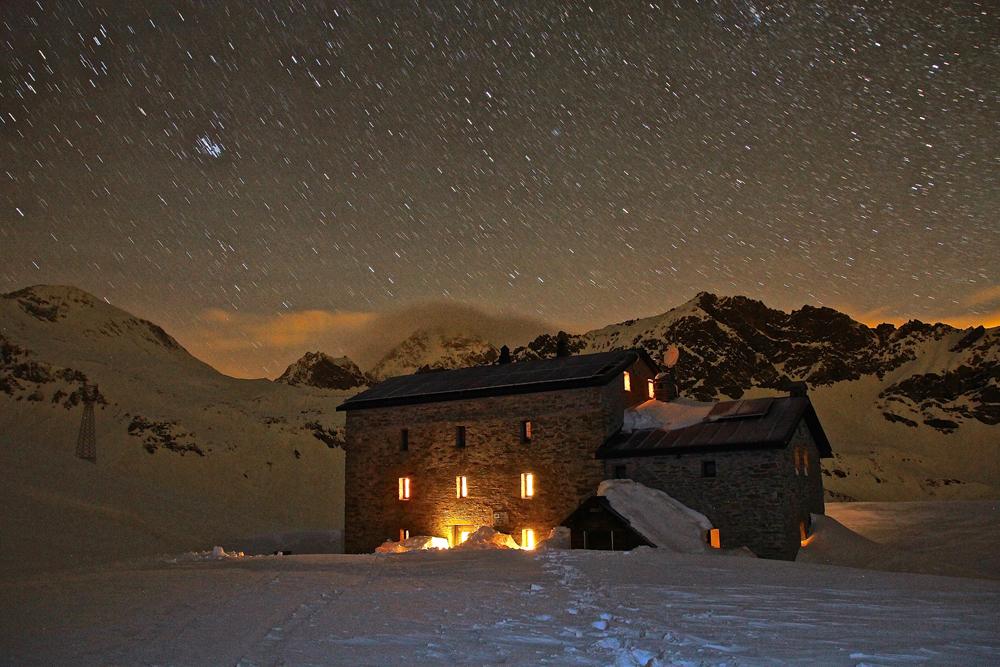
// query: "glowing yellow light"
[[650, 391], [404, 488], [527, 538], [463, 536], [527, 485], [714, 538], [403, 534], [439, 543], [628, 381], [462, 487], [806, 541]]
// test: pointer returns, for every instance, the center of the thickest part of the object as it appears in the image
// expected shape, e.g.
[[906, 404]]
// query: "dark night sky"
[[215, 165]]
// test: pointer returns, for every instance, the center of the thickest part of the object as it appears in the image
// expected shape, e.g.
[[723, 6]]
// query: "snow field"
[[647, 607]]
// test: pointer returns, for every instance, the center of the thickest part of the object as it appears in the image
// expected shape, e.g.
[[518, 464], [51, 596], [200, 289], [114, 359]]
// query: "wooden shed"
[[596, 525]]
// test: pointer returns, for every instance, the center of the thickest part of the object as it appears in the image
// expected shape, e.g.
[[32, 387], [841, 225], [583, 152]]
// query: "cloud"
[[255, 345], [983, 297]]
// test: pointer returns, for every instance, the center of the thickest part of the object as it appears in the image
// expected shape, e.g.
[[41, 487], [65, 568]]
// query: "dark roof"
[[745, 424], [585, 370]]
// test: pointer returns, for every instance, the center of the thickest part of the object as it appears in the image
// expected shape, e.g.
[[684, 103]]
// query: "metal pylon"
[[86, 442]]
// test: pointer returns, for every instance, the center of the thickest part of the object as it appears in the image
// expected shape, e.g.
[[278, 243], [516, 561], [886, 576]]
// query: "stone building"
[[520, 446]]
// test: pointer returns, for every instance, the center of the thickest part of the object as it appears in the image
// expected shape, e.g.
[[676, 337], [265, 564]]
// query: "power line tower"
[[86, 442]]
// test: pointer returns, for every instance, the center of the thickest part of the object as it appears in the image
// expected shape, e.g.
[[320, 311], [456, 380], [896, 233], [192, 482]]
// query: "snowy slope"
[[185, 455], [646, 607]]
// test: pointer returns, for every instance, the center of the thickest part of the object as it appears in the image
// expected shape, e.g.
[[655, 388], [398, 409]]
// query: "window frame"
[[405, 489], [709, 469], [527, 485], [460, 437], [528, 541], [461, 486], [526, 428], [627, 381], [404, 439]]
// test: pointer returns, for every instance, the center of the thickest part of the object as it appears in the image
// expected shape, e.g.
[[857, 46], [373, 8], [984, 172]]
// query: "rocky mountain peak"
[[316, 369]]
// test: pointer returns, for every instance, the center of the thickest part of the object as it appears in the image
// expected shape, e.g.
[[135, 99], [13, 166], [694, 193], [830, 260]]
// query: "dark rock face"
[[165, 434], [730, 344], [979, 387], [23, 376], [316, 369]]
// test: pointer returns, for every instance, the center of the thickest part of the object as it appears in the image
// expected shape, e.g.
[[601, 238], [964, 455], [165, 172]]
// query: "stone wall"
[[567, 428], [755, 500]]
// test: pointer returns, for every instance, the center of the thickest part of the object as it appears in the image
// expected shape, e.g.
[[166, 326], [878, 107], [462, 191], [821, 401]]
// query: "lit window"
[[628, 381], [404, 488], [460, 436], [805, 462], [527, 538], [714, 539], [527, 485], [526, 431], [462, 487], [403, 534], [463, 535], [650, 391], [404, 440]]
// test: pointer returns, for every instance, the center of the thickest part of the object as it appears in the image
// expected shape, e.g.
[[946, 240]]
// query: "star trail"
[[574, 163]]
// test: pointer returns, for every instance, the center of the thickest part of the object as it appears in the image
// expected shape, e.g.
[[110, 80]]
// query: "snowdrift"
[[659, 518], [487, 538], [675, 414], [416, 543]]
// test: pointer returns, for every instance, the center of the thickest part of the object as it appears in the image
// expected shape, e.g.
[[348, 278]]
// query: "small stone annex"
[[521, 446]]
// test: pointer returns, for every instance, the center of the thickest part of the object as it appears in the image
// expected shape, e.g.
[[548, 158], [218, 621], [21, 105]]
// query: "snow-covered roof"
[[662, 520], [681, 426]]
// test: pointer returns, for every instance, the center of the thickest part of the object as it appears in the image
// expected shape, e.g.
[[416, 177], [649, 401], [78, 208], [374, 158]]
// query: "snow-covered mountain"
[[427, 350], [316, 369], [912, 411], [185, 455]]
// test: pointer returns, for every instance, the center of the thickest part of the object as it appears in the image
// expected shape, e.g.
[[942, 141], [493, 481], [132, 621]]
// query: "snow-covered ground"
[[650, 606], [495, 607]]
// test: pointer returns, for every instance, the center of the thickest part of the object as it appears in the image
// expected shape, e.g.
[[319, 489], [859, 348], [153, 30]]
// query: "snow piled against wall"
[[487, 538], [665, 415], [659, 518]]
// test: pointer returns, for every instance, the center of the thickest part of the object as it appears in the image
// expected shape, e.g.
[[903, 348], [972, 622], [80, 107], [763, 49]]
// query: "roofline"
[[808, 414], [631, 357]]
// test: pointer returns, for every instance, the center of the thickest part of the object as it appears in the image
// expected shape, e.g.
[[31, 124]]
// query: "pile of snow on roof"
[[665, 522], [665, 415]]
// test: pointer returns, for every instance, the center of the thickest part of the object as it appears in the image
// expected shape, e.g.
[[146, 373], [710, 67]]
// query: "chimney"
[[800, 389], [663, 386], [504, 355], [562, 344]]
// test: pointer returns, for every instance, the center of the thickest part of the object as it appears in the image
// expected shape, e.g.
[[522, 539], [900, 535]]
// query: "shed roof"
[[585, 370], [745, 424]]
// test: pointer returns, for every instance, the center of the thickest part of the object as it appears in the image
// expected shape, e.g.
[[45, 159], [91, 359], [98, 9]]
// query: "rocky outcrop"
[[316, 369]]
